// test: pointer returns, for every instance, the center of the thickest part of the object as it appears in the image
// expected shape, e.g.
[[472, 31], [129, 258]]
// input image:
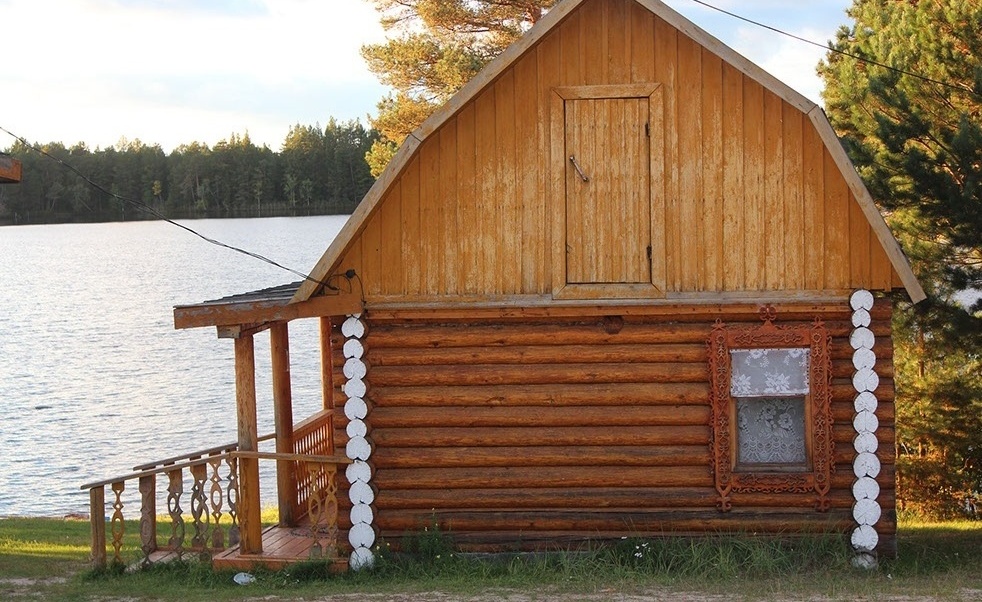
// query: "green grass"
[[941, 560]]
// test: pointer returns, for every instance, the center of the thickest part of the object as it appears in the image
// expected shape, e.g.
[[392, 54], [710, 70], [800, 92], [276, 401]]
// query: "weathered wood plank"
[[539, 374], [755, 241], [481, 456], [691, 212], [533, 476], [771, 212], [794, 211], [561, 436], [544, 395], [636, 353], [532, 416]]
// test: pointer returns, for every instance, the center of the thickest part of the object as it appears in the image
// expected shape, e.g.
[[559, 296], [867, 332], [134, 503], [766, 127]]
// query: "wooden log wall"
[[519, 434], [750, 198]]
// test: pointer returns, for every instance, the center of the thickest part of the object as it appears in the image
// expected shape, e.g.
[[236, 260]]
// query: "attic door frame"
[[559, 163]]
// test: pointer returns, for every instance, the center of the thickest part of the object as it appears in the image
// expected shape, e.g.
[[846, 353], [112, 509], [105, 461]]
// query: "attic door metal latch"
[[579, 170]]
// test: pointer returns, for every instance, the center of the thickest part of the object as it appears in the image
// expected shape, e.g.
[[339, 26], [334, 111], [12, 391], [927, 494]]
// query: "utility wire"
[[148, 209], [837, 51]]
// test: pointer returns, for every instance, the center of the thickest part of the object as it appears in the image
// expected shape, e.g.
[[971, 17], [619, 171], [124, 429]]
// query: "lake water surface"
[[93, 377]]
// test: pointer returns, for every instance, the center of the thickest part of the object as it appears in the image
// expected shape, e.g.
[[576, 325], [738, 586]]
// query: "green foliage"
[[318, 171], [440, 46], [918, 146], [937, 561]]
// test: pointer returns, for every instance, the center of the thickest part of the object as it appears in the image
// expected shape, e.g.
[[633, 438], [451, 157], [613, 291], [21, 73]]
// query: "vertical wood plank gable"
[[773, 201], [450, 201], [468, 220], [413, 268], [859, 246], [666, 68], [619, 41], [837, 229], [754, 248], [794, 229], [733, 260], [371, 252], [712, 173], [529, 167], [814, 208], [509, 242], [486, 230], [432, 233], [691, 251], [391, 230], [593, 42]]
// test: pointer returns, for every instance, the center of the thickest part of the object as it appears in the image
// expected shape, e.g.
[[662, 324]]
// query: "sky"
[[171, 72]]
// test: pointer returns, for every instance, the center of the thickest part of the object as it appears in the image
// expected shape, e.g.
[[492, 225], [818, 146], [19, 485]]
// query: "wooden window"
[[771, 415]]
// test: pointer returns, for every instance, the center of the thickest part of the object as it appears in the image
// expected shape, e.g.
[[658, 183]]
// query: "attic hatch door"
[[607, 164], [608, 211]]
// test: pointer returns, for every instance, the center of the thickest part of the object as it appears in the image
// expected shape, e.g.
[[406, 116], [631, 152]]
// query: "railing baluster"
[[118, 526], [199, 507], [217, 500], [175, 489], [232, 495], [148, 516]]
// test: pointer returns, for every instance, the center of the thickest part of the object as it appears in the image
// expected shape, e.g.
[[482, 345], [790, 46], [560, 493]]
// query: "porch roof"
[[263, 306]]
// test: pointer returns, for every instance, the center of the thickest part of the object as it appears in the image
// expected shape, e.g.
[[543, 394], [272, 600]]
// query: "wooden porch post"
[[279, 345], [249, 510], [327, 364]]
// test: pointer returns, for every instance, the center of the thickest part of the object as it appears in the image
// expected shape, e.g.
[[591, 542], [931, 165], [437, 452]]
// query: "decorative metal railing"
[[202, 499]]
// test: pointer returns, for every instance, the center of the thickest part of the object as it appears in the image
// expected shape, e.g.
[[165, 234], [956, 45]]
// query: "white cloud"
[[174, 72]]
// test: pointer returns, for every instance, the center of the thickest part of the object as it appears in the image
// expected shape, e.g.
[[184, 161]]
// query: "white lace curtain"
[[769, 372], [770, 385]]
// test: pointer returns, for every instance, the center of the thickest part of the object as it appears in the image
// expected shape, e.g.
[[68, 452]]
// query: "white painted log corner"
[[362, 534], [866, 511]]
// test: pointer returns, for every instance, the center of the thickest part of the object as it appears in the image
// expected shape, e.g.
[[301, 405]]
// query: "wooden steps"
[[282, 546]]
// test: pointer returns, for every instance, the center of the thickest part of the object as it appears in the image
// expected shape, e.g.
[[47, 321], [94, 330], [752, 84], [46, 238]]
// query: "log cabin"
[[624, 283]]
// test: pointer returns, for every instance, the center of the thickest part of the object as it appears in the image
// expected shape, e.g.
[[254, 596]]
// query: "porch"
[[212, 496]]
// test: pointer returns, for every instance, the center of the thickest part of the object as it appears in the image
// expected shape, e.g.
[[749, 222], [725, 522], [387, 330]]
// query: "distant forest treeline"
[[318, 171]]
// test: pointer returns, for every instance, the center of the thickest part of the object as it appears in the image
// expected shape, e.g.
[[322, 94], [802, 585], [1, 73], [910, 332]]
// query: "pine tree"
[[440, 45], [913, 127]]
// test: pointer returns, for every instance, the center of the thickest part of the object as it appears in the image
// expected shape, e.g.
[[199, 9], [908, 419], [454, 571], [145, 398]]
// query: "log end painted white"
[[865, 401], [356, 428], [865, 443], [353, 349], [861, 299], [866, 465], [862, 338], [864, 539], [865, 488], [358, 471], [362, 534], [354, 368], [866, 510], [355, 388], [356, 408]]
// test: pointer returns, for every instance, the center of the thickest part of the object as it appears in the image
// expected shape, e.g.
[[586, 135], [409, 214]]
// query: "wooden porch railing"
[[213, 477]]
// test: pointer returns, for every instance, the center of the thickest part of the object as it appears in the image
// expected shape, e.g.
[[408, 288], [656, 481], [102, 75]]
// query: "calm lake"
[[93, 377]]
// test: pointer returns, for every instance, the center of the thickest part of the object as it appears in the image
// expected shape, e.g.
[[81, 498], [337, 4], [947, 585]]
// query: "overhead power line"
[[840, 52]]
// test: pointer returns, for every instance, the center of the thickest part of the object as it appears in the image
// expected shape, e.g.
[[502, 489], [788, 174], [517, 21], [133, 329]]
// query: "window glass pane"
[[769, 372], [771, 430]]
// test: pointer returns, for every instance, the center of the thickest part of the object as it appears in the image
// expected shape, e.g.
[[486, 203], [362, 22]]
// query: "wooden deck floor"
[[282, 546]]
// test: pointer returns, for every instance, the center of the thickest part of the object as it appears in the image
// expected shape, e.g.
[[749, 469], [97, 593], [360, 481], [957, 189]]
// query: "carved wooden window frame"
[[819, 445]]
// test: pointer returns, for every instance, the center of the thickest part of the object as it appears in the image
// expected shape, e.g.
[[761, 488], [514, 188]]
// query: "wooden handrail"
[[197, 454], [292, 457], [155, 471]]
